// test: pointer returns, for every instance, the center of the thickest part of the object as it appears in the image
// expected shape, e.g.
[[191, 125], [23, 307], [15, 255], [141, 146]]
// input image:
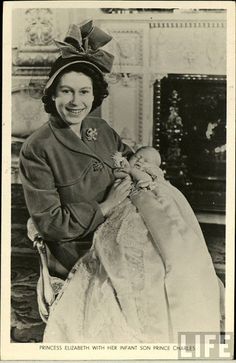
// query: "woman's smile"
[[75, 111], [74, 97]]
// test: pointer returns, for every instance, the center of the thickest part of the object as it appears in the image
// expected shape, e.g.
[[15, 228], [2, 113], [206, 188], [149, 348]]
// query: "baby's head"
[[148, 154]]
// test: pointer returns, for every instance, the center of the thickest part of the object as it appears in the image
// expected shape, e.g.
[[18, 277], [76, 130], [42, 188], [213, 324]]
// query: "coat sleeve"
[[54, 221]]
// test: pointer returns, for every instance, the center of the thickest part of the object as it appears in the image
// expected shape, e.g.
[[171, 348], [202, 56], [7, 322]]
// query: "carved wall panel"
[[201, 49], [33, 48], [37, 27], [27, 108], [124, 107], [127, 44], [34, 40]]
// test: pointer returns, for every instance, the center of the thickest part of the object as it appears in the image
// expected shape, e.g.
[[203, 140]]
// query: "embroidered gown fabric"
[[147, 277]]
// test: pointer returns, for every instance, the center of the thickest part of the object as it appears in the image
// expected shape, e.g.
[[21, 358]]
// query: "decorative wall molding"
[[39, 27], [127, 46], [133, 88], [31, 72], [36, 50], [35, 58], [187, 24], [202, 77], [157, 113], [140, 111], [188, 47], [34, 87], [125, 78], [27, 108], [156, 77]]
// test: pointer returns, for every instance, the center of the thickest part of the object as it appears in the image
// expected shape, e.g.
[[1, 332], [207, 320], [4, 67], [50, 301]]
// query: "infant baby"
[[143, 167]]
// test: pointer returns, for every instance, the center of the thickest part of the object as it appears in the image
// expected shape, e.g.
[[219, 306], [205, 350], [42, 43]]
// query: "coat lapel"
[[70, 140]]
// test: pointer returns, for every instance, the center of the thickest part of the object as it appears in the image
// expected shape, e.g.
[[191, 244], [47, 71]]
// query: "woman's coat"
[[64, 180]]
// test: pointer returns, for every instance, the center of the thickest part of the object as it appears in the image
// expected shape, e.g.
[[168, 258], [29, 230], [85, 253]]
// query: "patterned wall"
[[148, 50]]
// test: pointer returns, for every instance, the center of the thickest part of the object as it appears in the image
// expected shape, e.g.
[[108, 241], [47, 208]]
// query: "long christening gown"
[[147, 277]]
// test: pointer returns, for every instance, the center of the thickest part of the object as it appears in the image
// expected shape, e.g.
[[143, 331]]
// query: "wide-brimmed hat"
[[82, 45]]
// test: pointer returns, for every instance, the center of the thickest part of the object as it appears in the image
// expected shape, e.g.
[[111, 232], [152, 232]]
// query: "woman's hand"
[[118, 192], [120, 173]]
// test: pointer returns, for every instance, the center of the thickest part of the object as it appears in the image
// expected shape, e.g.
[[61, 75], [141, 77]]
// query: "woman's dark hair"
[[100, 86]]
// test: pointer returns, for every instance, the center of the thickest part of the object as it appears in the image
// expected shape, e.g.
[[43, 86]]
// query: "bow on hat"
[[84, 42]]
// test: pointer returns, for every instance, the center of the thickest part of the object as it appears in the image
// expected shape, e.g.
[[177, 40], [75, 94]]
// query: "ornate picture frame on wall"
[[190, 131]]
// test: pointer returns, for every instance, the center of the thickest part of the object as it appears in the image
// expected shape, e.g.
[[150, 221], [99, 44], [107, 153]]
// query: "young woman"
[[66, 165]]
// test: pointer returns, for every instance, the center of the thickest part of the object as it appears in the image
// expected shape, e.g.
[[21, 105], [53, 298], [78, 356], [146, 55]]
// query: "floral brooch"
[[91, 134], [118, 159]]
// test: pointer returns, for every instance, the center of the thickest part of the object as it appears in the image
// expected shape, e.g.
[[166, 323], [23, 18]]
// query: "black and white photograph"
[[118, 170]]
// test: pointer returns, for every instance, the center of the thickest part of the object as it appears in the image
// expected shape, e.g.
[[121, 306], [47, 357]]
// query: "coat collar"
[[70, 140]]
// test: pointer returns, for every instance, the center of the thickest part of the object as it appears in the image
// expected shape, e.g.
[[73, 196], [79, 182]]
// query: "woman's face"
[[74, 97]]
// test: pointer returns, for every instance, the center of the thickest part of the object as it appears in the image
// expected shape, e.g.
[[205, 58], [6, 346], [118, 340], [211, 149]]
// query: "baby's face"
[[146, 156], [134, 159]]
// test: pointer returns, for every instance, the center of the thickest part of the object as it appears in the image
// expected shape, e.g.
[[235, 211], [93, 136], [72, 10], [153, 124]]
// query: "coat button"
[[97, 166]]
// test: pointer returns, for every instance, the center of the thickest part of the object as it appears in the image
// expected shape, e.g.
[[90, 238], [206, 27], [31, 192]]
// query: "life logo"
[[206, 345]]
